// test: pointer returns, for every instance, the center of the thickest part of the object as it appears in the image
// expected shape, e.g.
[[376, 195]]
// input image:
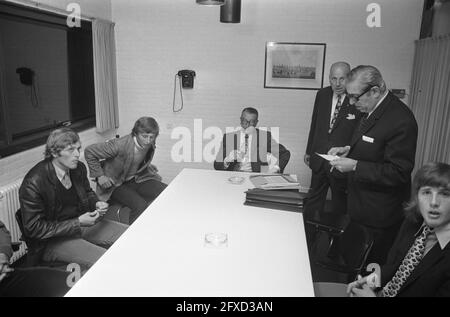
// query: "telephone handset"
[[187, 78]]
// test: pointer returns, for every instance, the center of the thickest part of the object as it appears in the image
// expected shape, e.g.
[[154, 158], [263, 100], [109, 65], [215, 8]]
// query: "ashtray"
[[216, 240], [237, 180]]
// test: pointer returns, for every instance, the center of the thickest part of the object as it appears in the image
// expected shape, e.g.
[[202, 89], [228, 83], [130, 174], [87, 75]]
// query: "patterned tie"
[[409, 263], [335, 114], [67, 183], [246, 144]]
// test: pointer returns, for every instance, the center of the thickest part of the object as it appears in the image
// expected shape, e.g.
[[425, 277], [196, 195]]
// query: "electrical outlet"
[[400, 93]]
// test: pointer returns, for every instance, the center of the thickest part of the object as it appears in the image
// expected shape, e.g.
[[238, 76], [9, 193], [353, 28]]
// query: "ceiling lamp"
[[231, 11], [211, 2]]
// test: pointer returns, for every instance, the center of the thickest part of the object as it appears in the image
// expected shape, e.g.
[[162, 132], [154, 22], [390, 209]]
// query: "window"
[[46, 76]]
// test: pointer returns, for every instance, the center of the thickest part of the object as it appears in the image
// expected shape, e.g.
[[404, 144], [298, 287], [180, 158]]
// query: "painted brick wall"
[[157, 38]]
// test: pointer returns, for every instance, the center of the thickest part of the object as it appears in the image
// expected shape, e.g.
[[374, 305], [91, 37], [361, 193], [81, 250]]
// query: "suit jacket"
[[385, 149], [264, 144], [431, 277], [113, 159], [319, 140]]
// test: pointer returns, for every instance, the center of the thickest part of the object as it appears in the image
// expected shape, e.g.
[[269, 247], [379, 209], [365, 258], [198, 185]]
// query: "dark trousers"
[[35, 282], [320, 182], [137, 196], [383, 239]]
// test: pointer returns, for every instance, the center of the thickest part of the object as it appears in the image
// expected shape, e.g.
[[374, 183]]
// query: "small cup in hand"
[[101, 207]]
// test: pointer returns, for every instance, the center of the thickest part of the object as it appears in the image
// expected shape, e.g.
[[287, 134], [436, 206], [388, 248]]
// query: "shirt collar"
[[60, 172], [379, 103], [138, 146], [335, 97], [442, 234]]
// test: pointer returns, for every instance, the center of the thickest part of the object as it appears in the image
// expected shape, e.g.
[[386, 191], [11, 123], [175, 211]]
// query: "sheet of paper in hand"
[[328, 157]]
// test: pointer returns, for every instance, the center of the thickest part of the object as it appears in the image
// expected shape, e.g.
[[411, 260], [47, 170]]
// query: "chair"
[[350, 254], [118, 212], [284, 159], [331, 223]]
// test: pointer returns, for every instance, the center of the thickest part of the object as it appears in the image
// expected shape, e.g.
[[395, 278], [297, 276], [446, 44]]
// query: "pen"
[[331, 169]]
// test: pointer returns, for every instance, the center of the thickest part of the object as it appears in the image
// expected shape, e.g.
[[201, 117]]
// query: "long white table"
[[164, 254]]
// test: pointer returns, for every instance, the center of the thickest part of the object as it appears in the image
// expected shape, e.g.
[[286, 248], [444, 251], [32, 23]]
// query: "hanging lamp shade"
[[231, 11], [211, 2]]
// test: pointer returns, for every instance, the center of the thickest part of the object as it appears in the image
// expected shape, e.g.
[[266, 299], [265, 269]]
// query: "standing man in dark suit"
[[379, 159], [332, 125]]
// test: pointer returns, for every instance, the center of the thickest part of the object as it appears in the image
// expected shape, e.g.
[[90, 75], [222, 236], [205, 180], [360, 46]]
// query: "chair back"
[[354, 246]]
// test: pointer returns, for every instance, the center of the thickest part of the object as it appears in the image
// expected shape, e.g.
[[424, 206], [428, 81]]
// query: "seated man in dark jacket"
[[61, 214], [418, 264], [251, 149], [30, 281]]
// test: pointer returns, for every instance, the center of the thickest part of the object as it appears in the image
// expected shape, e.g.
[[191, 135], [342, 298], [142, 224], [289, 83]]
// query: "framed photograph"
[[294, 65]]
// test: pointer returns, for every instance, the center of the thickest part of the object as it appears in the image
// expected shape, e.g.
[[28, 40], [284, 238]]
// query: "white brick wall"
[[157, 38]]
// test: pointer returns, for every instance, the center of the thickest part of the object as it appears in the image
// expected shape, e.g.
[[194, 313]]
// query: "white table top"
[[164, 254]]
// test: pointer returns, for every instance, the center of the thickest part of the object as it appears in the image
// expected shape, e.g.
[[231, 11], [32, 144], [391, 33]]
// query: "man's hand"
[[360, 288], [234, 155], [105, 182], [306, 158], [88, 219], [339, 151], [4, 266], [344, 164]]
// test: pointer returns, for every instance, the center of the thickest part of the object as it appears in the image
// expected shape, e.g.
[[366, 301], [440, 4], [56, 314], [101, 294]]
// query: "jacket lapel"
[[431, 258], [130, 155], [371, 121]]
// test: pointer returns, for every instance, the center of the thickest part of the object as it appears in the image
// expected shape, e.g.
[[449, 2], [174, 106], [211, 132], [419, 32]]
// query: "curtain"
[[430, 99], [104, 48]]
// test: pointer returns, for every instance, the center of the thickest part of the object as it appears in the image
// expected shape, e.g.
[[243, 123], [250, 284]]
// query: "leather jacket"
[[41, 208]]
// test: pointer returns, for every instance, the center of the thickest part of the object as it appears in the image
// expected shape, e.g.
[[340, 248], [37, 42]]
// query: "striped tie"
[[335, 114]]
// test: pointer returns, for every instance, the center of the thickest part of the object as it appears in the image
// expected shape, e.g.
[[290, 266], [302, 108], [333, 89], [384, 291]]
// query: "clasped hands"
[[89, 219], [342, 164], [360, 288]]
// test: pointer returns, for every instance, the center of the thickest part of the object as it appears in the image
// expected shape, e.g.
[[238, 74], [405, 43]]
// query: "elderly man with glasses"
[[122, 167], [379, 158], [250, 149]]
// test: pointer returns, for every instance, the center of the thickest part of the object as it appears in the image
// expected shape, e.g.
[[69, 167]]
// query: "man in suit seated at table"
[[250, 149], [27, 282], [61, 214]]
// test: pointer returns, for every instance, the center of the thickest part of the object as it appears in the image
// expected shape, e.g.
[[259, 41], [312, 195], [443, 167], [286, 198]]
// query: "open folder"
[[290, 200], [274, 181]]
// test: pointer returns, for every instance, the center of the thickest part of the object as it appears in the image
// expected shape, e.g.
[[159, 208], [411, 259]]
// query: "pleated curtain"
[[430, 99], [105, 76]]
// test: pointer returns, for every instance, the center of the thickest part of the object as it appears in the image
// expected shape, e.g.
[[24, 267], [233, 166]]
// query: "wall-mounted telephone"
[[187, 78], [26, 75]]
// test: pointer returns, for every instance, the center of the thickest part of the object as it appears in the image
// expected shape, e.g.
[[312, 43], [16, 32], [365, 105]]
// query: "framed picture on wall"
[[294, 65]]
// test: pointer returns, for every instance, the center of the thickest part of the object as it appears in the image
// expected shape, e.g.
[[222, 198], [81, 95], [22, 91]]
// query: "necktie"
[[335, 113], [66, 181], [363, 122], [409, 263], [246, 143]]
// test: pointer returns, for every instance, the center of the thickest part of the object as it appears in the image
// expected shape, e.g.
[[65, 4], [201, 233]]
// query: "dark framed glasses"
[[352, 99]]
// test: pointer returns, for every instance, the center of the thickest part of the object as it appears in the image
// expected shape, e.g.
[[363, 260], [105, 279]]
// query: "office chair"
[[284, 159], [351, 252]]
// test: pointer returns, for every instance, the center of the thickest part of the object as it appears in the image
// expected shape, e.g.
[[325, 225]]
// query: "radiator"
[[9, 204]]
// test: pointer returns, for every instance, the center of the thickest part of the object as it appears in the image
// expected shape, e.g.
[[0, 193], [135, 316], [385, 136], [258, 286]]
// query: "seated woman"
[[418, 264]]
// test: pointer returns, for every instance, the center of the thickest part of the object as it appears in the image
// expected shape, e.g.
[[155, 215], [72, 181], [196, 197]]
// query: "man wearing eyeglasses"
[[251, 149], [123, 170], [332, 125], [379, 158]]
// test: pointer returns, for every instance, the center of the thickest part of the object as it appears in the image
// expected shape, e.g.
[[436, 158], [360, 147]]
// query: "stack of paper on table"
[[274, 181]]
